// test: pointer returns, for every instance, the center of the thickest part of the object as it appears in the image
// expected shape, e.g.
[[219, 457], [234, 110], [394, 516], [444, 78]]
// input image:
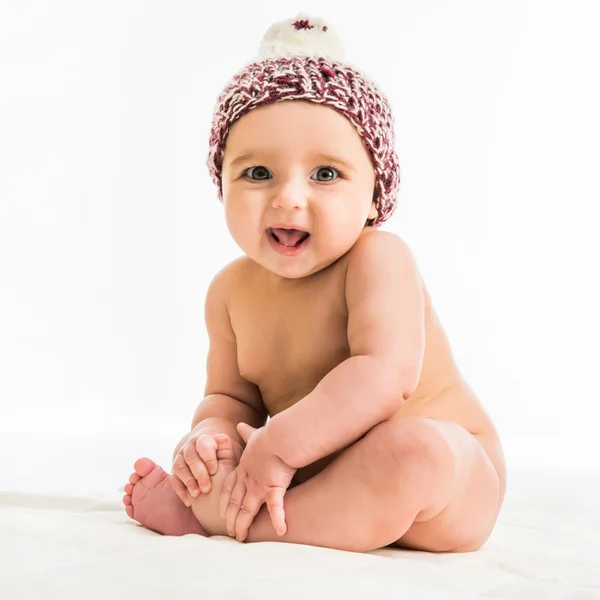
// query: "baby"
[[334, 413]]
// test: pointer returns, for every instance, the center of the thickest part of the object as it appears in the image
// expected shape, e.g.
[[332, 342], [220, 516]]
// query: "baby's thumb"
[[246, 431]]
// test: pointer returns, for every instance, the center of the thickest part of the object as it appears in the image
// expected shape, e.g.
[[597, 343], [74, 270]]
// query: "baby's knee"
[[417, 442]]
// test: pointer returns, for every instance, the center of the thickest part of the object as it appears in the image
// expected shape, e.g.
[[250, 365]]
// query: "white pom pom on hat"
[[303, 35]]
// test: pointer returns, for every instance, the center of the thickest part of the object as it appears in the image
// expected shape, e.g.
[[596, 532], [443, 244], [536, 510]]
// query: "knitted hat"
[[303, 59]]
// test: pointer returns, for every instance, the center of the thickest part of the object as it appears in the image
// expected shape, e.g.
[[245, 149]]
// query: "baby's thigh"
[[469, 517]]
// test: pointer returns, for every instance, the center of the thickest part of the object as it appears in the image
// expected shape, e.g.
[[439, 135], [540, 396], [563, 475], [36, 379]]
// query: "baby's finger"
[[180, 490], [182, 471], [227, 449], [235, 503], [275, 507], [248, 509], [194, 462], [206, 446], [226, 490]]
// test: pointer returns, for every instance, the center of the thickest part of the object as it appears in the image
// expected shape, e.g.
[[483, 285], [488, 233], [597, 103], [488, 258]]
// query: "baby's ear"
[[373, 211]]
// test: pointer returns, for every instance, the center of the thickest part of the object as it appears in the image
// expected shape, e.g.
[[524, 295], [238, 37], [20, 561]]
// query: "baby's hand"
[[261, 476], [196, 461]]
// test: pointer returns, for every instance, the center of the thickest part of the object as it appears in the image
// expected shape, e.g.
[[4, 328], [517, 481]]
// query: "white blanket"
[[545, 545]]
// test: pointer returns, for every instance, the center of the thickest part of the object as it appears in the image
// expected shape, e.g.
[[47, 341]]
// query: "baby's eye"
[[263, 173], [328, 169], [260, 169]]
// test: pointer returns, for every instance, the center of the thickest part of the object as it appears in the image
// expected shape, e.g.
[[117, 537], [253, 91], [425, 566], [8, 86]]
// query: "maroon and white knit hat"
[[303, 59]]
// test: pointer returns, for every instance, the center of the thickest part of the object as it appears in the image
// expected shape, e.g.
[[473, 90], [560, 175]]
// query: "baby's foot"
[[151, 500]]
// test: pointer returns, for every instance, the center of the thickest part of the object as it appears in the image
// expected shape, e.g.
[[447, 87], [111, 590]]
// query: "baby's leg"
[[415, 479]]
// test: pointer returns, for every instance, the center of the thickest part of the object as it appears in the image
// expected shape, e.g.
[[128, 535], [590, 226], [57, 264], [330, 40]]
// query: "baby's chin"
[[285, 267], [290, 272], [298, 271]]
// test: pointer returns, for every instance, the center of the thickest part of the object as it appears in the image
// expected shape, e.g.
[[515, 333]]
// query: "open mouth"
[[290, 238]]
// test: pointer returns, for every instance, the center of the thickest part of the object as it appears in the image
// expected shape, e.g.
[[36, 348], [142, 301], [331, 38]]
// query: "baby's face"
[[303, 165]]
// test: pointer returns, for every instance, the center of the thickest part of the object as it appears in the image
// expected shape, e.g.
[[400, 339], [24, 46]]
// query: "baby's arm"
[[229, 398], [386, 335]]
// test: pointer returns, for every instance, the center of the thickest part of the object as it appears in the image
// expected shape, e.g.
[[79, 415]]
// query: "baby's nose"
[[290, 197]]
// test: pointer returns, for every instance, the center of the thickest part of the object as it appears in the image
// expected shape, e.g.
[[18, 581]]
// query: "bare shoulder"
[[385, 253], [217, 305], [371, 240], [227, 277]]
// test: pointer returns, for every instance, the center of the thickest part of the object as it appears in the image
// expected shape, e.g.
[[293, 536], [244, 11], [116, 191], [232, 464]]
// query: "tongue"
[[289, 237]]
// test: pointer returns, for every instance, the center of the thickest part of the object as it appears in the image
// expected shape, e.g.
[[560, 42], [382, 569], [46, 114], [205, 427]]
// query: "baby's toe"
[[134, 478], [127, 500], [129, 488], [143, 466], [129, 511]]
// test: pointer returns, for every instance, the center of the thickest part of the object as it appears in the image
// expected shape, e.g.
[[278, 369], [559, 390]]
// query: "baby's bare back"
[[291, 333]]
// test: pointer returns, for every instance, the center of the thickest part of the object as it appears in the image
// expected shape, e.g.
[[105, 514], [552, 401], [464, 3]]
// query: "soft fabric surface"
[[546, 545]]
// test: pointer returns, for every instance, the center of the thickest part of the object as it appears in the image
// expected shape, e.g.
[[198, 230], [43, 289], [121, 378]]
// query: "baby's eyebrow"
[[241, 158], [328, 157], [335, 159]]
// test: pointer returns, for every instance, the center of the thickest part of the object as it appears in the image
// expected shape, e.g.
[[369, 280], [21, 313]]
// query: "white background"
[[110, 229]]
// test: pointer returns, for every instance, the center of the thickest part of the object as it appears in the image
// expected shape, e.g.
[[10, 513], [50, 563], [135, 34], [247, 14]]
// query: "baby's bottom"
[[412, 481]]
